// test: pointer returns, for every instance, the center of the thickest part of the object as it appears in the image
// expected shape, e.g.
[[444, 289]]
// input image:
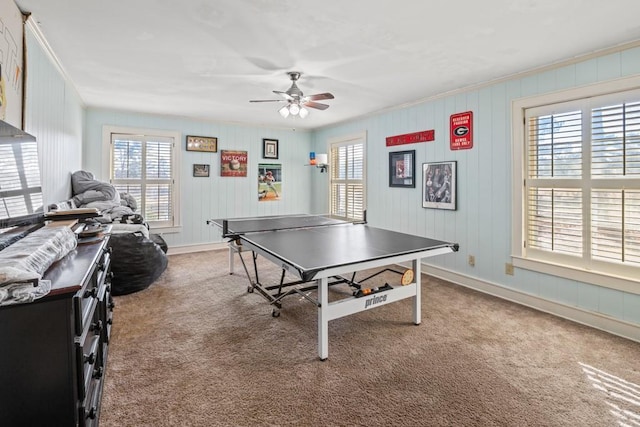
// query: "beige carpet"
[[195, 349]]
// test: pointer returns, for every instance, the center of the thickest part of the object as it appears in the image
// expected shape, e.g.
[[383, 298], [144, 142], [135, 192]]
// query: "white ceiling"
[[207, 58]]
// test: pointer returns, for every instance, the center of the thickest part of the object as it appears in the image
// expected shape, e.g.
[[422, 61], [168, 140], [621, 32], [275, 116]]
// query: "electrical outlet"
[[508, 269], [472, 260]]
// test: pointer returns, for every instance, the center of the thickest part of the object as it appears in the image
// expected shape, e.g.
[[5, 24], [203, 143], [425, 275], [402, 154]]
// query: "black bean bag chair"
[[136, 262]]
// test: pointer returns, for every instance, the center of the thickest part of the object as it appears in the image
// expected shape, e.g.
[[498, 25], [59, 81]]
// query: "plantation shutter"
[[554, 208], [143, 167], [20, 189], [615, 210], [583, 181], [347, 181]]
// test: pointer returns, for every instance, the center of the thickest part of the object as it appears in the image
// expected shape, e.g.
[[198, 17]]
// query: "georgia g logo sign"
[[461, 131]]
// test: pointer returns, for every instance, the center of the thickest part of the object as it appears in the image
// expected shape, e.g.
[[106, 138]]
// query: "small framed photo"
[[269, 148], [202, 143], [200, 170], [402, 166], [439, 185]]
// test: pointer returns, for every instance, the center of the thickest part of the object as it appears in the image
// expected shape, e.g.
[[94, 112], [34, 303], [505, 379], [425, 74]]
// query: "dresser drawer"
[[85, 300], [89, 410], [89, 359], [105, 310]]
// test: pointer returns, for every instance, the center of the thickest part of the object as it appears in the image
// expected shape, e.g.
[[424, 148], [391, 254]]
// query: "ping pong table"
[[322, 251]]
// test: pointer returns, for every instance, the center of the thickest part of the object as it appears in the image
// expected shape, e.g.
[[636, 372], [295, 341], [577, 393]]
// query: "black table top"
[[311, 250]]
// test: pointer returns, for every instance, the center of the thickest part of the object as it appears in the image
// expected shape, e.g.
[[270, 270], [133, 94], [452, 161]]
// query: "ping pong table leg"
[[323, 318], [417, 316], [231, 251]]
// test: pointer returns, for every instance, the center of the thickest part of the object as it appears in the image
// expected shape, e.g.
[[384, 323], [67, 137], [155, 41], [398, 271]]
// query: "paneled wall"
[[215, 196], [54, 114], [482, 222], [70, 138]]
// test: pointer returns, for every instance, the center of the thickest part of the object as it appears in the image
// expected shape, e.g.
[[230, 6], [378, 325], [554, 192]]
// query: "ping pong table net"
[[240, 226]]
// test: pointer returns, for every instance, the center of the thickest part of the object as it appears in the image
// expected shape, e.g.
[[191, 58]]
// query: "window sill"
[[165, 230], [620, 283]]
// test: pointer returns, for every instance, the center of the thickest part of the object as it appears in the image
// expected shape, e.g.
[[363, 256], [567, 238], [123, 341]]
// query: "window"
[[144, 165], [20, 189], [347, 194], [581, 192]]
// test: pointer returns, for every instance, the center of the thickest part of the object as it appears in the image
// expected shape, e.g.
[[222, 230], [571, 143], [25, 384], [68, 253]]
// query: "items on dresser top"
[[67, 214], [23, 263]]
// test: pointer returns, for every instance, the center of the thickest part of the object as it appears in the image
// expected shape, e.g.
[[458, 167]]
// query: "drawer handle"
[[92, 413], [90, 293], [91, 357], [96, 326], [97, 373]]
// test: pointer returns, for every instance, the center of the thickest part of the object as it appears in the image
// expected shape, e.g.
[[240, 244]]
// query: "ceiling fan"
[[296, 100]]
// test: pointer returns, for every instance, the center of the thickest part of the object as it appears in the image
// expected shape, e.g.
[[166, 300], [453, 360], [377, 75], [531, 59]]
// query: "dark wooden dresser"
[[53, 351]]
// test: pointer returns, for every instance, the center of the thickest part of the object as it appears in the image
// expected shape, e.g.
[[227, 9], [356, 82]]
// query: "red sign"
[[233, 163], [411, 138], [461, 133]]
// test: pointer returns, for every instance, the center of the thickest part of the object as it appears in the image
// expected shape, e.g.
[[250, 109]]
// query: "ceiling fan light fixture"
[[284, 111], [297, 104]]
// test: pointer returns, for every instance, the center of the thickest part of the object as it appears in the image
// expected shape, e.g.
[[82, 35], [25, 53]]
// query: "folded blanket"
[[20, 293], [88, 192], [87, 189], [23, 263]]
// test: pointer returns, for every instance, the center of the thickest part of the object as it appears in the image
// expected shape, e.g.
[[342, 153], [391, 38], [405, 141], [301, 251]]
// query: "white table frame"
[[328, 311]]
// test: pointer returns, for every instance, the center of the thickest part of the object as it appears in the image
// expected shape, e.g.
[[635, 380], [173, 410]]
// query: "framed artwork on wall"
[[200, 170], [269, 182], [439, 185], [233, 163], [202, 143], [270, 148], [402, 166]]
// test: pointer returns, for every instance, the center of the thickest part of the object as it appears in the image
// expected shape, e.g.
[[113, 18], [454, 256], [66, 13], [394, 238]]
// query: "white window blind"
[[348, 180], [143, 166], [582, 183], [20, 189]]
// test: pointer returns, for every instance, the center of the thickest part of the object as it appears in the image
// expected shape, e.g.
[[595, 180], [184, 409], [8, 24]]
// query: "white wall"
[[482, 222], [215, 196], [54, 114]]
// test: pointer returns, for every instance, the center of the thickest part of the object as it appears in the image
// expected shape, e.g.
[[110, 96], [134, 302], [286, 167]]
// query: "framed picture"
[[439, 185], [201, 170], [269, 148], [269, 182], [202, 143], [233, 163], [402, 166]]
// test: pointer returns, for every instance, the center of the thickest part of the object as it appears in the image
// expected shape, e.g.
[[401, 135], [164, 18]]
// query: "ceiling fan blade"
[[316, 105], [267, 100], [319, 96], [284, 94]]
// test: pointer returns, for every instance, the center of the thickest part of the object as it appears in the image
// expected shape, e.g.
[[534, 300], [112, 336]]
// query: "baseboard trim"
[[588, 318], [188, 249]]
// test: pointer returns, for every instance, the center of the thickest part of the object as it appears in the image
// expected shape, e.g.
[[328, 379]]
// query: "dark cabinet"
[[53, 352]]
